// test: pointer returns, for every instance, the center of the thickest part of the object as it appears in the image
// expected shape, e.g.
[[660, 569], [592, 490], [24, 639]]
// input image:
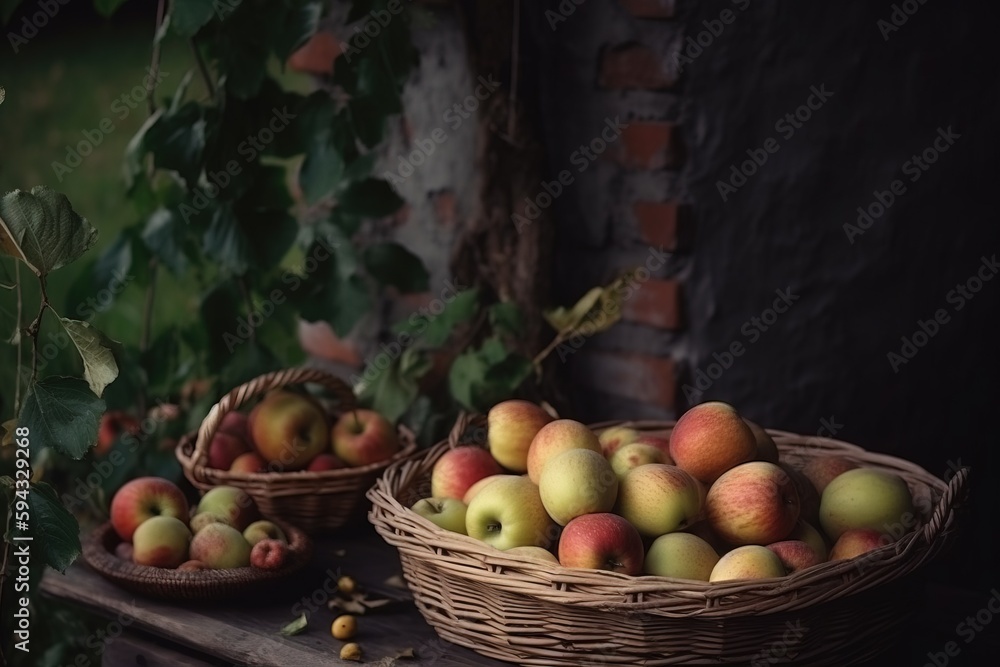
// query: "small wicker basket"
[[539, 613], [313, 501], [192, 585]]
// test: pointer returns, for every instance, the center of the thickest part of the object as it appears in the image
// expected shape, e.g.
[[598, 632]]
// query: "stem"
[[35, 327], [20, 306], [203, 68], [154, 66]]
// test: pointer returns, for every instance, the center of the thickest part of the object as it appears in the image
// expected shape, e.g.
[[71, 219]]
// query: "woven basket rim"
[[551, 581]]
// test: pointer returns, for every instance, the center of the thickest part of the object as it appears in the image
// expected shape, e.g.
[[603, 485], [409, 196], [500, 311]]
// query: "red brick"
[[633, 66], [444, 207], [317, 339], [655, 303], [641, 377], [647, 145], [650, 9], [317, 55], [657, 223]]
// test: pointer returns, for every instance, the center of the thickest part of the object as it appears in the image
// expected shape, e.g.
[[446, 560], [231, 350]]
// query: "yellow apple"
[[867, 498], [682, 556], [576, 482], [509, 513], [634, 455], [447, 513], [658, 498], [555, 438], [747, 562], [511, 426]]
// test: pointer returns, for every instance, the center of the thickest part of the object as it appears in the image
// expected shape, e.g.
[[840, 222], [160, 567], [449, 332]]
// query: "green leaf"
[[177, 141], [113, 267], [300, 24], [99, 366], [189, 16], [42, 229], [55, 532], [435, 329], [482, 378], [62, 413], [321, 170], [295, 627], [107, 7], [506, 318], [164, 236], [226, 243], [248, 361], [136, 150], [372, 198], [393, 265], [392, 391]]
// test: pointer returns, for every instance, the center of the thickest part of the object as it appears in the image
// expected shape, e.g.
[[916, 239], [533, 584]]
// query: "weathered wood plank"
[[130, 650]]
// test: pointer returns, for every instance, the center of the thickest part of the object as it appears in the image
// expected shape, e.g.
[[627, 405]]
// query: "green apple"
[[234, 505], [634, 455], [219, 547], [511, 426], [658, 498], [577, 482], [288, 430], [682, 556], [866, 498], [555, 438], [263, 530], [161, 541], [447, 513], [747, 562], [509, 513]]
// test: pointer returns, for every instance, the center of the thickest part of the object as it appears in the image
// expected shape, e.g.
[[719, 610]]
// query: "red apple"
[[238, 424], [249, 462], [142, 499], [822, 469], [269, 554], [710, 439], [193, 565], [224, 449], [455, 472], [856, 541], [555, 438], [325, 462], [661, 443], [614, 438], [161, 541], [754, 503], [795, 555], [601, 541], [289, 430], [767, 450], [361, 437]]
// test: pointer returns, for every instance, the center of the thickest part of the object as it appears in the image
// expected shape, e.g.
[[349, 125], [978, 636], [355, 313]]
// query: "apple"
[[362, 437], [658, 498], [661, 443], [325, 462], [533, 553], [511, 426], [220, 547], [634, 455], [682, 556], [710, 439], [459, 468], [866, 498], [193, 565], [555, 438], [795, 555], [269, 554], [767, 450], [234, 505], [237, 424], [805, 532], [202, 519], [509, 513], [747, 562], [124, 550], [823, 469], [161, 541], [113, 424], [616, 437], [249, 462], [288, 429], [223, 450], [703, 529], [808, 497], [856, 541], [601, 541], [754, 503], [577, 482], [263, 530], [447, 513], [143, 498], [480, 485]]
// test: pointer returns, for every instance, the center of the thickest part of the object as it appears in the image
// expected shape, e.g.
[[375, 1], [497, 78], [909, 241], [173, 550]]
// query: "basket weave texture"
[[313, 501], [192, 585], [538, 613]]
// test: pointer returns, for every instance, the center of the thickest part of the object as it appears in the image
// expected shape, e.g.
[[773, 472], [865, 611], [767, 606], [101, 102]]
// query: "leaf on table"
[[295, 627], [350, 606], [62, 413], [42, 229], [357, 603], [55, 532], [99, 366], [406, 654], [396, 581]]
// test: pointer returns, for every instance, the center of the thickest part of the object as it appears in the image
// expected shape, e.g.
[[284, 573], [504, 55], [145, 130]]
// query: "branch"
[[203, 68], [20, 306], [35, 327], [154, 66]]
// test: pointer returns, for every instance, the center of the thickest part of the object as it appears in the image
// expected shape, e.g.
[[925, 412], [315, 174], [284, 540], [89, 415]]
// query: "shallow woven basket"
[[192, 585], [539, 613], [314, 501]]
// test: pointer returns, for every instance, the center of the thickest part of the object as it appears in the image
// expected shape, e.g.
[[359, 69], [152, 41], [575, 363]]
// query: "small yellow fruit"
[[351, 652], [347, 585], [344, 627]]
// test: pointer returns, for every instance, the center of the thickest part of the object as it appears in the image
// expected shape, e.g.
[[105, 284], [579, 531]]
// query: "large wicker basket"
[[538, 613], [313, 501]]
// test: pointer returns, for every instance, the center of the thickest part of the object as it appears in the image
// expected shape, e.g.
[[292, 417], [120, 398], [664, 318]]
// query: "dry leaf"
[[340, 553], [396, 581], [295, 627], [350, 606], [407, 653], [8, 427]]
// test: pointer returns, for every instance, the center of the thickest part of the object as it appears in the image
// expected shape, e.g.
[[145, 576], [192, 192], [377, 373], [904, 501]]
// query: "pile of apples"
[[288, 431], [151, 516], [710, 503]]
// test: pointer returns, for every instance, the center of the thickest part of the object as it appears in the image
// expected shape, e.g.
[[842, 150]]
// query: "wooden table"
[[160, 634]]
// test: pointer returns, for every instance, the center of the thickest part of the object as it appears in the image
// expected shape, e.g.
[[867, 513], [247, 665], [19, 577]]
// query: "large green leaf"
[[299, 25], [393, 265], [392, 391], [164, 236], [321, 170], [506, 317], [189, 16], [435, 329], [482, 378], [177, 141], [54, 531], [99, 366], [62, 413], [226, 243], [371, 197], [42, 229]]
